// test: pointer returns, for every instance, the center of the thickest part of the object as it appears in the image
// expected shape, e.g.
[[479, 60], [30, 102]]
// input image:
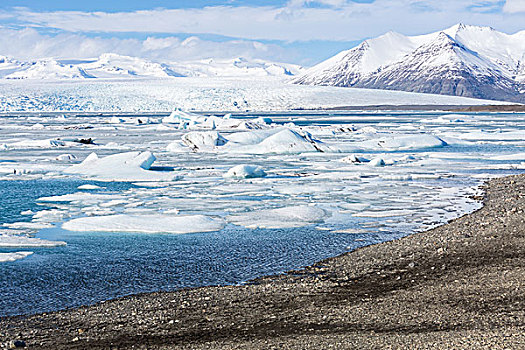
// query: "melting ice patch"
[[24, 241], [129, 166], [145, 224], [403, 142], [9, 257], [287, 217]]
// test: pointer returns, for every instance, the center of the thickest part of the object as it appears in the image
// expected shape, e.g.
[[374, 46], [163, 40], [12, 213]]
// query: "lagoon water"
[[417, 187]]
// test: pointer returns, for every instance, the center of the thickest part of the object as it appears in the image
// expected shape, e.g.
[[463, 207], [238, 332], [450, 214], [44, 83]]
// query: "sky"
[[295, 31]]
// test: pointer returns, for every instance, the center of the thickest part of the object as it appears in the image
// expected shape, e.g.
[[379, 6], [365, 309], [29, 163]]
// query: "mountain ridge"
[[111, 65], [462, 60]]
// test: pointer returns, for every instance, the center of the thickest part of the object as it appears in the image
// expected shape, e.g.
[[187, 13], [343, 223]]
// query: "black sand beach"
[[459, 286]]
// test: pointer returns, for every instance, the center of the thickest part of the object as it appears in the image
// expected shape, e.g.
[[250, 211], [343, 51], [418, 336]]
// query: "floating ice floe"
[[245, 171], [446, 119], [9, 257], [49, 215], [355, 159], [179, 116], [16, 241], [83, 197], [403, 142], [88, 187], [203, 140], [145, 224], [28, 225], [129, 166], [277, 141], [515, 156], [65, 157], [288, 217], [51, 143], [377, 162], [186, 120], [282, 141], [492, 136]]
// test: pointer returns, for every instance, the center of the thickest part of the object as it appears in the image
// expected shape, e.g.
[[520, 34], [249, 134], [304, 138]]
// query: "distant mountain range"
[[463, 60], [117, 66]]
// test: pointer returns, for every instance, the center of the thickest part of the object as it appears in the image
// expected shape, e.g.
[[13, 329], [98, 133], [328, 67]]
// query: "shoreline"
[[453, 286]]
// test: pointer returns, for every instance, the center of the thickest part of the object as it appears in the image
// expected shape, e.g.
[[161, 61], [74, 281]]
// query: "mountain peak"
[[462, 60]]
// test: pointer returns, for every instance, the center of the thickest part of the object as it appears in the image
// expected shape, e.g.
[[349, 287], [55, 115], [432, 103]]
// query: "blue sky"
[[298, 31]]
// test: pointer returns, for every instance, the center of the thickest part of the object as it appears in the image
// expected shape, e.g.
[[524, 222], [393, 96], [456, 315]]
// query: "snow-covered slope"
[[236, 67], [47, 69], [111, 65], [462, 60], [9, 66]]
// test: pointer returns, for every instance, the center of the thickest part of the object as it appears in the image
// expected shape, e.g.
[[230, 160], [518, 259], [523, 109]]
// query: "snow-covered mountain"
[[49, 69], [111, 65], [236, 67], [462, 60]]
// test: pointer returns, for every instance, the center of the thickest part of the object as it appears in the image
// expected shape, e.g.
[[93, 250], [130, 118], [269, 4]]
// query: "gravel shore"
[[459, 286]]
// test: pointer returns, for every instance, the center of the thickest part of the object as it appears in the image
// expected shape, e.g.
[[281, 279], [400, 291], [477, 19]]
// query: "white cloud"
[[336, 20], [28, 43], [514, 6]]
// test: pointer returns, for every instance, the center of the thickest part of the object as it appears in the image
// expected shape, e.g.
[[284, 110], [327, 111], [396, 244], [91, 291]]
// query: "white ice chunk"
[[79, 197], [28, 225], [88, 187], [515, 156], [129, 166], [281, 142], [180, 116], [206, 139], [36, 144], [245, 171], [145, 224], [492, 136], [377, 162], [116, 120], [287, 217], [65, 157], [9, 257], [355, 159], [50, 215], [404, 142], [10, 241]]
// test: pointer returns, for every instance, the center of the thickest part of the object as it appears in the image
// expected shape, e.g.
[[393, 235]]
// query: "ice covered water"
[[113, 205]]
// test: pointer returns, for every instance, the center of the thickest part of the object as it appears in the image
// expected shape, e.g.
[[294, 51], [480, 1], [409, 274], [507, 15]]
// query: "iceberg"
[[283, 141], [129, 166], [145, 224], [245, 171], [10, 241], [276, 141], [403, 142], [355, 159], [9, 257], [178, 116], [287, 217], [205, 139], [51, 143], [66, 157]]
